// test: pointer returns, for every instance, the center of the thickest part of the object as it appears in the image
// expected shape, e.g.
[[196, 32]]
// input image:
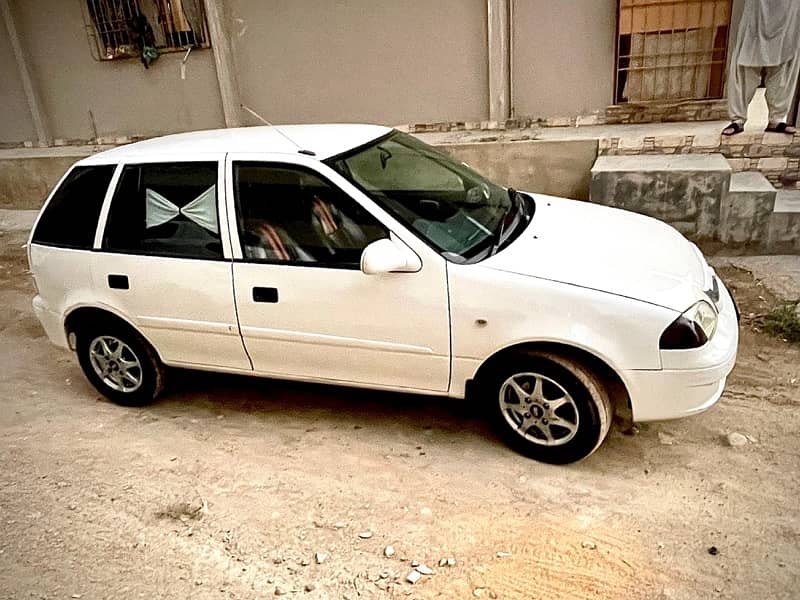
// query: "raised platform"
[[684, 190]]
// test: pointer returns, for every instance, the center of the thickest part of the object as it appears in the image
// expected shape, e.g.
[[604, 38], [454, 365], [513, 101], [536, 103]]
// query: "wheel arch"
[[81, 316], [616, 387]]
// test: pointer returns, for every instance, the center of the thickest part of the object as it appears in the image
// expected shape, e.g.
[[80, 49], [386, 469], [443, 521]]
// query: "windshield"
[[456, 210]]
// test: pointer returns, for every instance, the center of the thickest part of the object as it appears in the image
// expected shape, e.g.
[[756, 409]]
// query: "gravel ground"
[[233, 487]]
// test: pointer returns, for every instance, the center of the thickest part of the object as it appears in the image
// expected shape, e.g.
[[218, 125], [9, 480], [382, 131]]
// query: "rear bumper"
[[51, 322], [692, 380]]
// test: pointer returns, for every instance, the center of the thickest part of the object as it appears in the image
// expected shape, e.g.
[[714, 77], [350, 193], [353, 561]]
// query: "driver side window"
[[289, 214]]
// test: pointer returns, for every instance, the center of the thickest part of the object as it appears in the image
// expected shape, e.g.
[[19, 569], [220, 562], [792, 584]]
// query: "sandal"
[[782, 128], [733, 129]]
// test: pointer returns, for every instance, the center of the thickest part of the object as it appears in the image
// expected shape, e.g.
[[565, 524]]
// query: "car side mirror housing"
[[389, 256]]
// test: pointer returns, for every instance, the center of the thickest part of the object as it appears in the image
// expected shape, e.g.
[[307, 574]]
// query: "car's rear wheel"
[[120, 364], [549, 407]]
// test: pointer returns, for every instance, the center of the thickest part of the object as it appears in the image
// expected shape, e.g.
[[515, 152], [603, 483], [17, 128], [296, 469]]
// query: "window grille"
[[669, 50], [119, 28]]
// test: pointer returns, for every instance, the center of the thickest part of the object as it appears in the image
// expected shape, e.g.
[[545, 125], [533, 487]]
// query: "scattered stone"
[[321, 557], [451, 562], [665, 439], [442, 562], [713, 551], [310, 587], [388, 552], [736, 439], [589, 544], [503, 554], [77, 596], [424, 569], [305, 562], [413, 577], [365, 535], [415, 563], [477, 592], [72, 507], [632, 430], [425, 511], [339, 525], [751, 439], [279, 591]]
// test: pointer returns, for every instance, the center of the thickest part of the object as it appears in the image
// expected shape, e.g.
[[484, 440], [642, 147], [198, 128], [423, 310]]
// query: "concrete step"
[[784, 224], [684, 190], [746, 209]]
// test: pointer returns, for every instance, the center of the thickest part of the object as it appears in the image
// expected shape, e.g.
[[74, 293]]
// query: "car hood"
[[609, 250]]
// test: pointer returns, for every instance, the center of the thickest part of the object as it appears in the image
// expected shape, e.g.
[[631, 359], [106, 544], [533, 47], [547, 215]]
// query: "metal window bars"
[[671, 50], [118, 28]]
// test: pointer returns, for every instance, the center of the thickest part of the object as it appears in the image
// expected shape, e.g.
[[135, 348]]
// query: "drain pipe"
[[512, 113], [498, 26]]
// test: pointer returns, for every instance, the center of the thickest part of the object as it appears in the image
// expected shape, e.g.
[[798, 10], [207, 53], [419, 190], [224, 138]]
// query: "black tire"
[[585, 412], [117, 387]]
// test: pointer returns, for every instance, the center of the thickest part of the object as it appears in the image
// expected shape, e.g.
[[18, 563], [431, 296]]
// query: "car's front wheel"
[[120, 363], [549, 407]]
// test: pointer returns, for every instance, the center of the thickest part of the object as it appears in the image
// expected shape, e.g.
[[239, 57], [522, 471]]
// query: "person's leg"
[[742, 84], [781, 82]]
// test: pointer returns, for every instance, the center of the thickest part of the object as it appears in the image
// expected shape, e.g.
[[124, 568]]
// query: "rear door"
[[162, 261], [305, 308]]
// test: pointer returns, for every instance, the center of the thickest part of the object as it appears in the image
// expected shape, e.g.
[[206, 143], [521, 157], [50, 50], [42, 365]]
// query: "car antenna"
[[300, 149]]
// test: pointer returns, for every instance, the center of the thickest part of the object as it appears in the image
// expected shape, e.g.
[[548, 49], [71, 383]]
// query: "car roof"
[[323, 140]]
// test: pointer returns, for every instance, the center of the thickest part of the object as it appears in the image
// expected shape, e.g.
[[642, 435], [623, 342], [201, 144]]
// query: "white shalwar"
[[768, 41]]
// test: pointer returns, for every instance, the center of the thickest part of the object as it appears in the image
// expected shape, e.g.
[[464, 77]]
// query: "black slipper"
[[732, 129], [782, 128]]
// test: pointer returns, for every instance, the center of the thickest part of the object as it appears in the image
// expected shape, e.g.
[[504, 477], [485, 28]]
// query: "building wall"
[[563, 60], [16, 124], [361, 60], [125, 98]]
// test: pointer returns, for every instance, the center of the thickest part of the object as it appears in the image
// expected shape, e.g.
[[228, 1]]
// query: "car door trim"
[[331, 340]]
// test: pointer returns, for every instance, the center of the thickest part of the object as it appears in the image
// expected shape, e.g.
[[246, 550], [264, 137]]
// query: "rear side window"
[[165, 210], [70, 219]]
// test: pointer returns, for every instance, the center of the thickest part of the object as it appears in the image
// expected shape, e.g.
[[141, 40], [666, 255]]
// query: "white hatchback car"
[[358, 255]]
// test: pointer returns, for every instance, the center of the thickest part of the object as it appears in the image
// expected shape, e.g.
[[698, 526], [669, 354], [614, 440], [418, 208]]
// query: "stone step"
[[784, 224], [746, 209], [684, 190]]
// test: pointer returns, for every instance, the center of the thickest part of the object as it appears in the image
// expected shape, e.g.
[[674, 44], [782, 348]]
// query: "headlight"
[[692, 329]]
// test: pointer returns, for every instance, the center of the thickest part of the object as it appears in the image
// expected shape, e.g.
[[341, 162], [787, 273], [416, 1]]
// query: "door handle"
[[265, 294], [118, 282]]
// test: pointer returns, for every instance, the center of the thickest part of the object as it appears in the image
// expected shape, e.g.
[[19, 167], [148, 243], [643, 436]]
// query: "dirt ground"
[[233, 488]]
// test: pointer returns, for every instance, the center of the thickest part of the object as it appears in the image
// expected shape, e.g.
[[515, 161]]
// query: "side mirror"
[[388, 256]]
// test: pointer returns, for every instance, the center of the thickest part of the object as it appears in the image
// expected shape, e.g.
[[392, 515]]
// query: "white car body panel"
[[606, 249], [601, 280]]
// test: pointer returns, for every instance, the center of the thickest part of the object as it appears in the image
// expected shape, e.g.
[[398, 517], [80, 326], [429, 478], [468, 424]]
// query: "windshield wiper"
[[498, 236]]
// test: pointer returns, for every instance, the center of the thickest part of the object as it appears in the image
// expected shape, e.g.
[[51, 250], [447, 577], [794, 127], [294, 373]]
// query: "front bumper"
[[690, 381]]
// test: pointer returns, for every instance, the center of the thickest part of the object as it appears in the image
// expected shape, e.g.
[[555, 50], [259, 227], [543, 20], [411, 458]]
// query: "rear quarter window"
[[70, 218]]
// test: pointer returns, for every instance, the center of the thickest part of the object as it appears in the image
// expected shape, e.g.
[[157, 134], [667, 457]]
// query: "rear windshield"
[[70, 219]]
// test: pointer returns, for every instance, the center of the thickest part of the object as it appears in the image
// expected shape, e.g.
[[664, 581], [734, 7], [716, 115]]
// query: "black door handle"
[[265, 294], [118, 282]]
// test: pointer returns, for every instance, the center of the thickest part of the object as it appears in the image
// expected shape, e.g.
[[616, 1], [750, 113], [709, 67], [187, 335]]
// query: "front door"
[[161, 263], [305, 308]]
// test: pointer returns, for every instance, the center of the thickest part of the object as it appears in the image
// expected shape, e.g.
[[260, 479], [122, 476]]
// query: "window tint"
[[70, 219], [293, 215], [165, 210]]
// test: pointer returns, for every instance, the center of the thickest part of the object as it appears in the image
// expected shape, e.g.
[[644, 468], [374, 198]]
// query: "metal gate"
[[671, 50]]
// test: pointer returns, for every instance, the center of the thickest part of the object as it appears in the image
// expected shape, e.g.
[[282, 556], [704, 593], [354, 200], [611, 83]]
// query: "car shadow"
[[457, 423], [306, 404]]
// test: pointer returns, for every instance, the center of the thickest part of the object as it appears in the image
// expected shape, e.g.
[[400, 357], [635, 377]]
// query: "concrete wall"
[[360, 60], [16, 124], [563, 56], [555, 167], [125, 98]]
